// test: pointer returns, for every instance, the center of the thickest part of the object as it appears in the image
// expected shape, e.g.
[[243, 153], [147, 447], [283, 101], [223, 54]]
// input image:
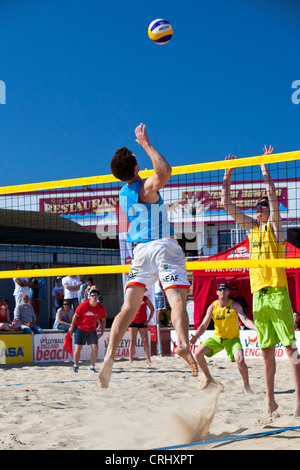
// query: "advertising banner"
[[48, 347], [15, 349], [248, 340]]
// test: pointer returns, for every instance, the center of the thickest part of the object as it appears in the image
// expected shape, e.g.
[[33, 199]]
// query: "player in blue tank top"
[[157, 255]]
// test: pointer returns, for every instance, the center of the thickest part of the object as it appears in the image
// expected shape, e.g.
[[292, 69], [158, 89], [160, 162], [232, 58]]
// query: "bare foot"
[[205, 381], [248, 389], [270, 408], [187, 356], [105, 373]]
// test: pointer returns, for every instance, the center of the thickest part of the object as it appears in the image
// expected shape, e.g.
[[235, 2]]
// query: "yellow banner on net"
[[123, 269]]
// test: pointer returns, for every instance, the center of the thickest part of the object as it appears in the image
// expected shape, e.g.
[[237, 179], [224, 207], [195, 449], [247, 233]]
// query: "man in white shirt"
[[22, 286], [71, 285]]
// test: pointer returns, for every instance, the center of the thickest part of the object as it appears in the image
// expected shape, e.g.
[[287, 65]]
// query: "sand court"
[[146, 407]]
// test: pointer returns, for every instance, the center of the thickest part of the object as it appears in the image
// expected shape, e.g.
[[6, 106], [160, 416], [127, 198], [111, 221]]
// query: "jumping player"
[[225, 313], [157, 255], [272, 310]]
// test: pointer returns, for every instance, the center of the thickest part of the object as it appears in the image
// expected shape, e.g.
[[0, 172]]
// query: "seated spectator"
[[24, 312], [5, 322], [63, 318]]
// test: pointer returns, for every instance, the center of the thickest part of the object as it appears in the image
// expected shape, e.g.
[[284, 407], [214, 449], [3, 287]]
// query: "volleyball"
[[160, 31]]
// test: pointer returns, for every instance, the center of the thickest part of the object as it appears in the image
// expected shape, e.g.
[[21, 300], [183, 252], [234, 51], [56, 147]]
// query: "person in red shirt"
[[139, 325], [87, 316]]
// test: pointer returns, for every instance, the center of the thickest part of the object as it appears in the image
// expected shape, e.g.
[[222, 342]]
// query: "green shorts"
[[273, 317], [218, 344]]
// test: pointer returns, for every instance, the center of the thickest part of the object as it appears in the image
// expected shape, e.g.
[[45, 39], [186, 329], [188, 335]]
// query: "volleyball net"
[[76, 227]]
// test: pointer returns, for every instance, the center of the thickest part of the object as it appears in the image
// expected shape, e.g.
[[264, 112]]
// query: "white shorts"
[[158, 260]]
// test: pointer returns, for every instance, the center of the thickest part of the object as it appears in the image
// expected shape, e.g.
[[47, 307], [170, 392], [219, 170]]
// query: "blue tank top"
[[148, 222]]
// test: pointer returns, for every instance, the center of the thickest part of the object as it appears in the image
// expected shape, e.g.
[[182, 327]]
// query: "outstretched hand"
[[229, 171], [268, 151], [193, 339], [141, 135]]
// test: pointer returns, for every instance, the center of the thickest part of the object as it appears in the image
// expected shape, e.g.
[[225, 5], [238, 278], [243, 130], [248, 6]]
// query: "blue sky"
[[81, 74]]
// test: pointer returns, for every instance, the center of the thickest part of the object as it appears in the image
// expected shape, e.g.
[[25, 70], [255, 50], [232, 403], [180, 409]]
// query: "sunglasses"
[[94, 295], [66, 304], [223, 288], [262, 204]]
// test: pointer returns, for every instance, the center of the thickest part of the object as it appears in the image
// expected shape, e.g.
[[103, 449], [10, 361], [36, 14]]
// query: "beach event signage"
[[15, 349], [248, 340], [48, 347]]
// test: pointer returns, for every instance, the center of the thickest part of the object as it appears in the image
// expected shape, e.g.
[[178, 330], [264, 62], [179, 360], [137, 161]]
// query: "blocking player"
[[225, 313], [157, 255], [272, 310]]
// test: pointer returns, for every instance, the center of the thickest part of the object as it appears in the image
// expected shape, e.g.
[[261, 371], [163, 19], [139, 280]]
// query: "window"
[[224, 240]]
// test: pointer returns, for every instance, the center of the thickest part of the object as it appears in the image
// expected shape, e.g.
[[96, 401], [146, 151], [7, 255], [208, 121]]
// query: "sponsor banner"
[[15, 349], [248, 340], [48, 347], [123, 348]]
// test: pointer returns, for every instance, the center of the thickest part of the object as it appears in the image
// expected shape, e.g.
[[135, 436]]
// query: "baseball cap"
[[223, 286]]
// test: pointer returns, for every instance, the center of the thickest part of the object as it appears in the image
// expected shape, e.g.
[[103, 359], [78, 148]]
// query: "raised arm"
[[162, 169], [235, 212], [275, 218]]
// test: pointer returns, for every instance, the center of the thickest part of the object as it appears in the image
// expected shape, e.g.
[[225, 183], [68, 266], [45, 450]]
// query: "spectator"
[[37, 293], [22, 285], [84, 323], [90, 287], [25, 314], [160, 302], [240, 299], [139, 325], [63, 318], [57, 293], [71, 287], [81, 292], [5, 322], [296, 321]]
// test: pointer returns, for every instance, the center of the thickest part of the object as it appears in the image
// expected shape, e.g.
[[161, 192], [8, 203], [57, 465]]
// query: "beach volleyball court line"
[[95, 380], [69, 381], [233, 438]]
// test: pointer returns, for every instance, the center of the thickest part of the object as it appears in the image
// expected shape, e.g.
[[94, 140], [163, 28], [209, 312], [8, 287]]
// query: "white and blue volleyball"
[[160, 31]]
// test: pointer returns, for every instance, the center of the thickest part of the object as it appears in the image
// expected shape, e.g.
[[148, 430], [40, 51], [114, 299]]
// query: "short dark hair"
[[95, 291], [123, 163]]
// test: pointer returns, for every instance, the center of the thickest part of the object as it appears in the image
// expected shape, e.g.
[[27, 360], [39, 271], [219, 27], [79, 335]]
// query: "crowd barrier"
[[18, 348]]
